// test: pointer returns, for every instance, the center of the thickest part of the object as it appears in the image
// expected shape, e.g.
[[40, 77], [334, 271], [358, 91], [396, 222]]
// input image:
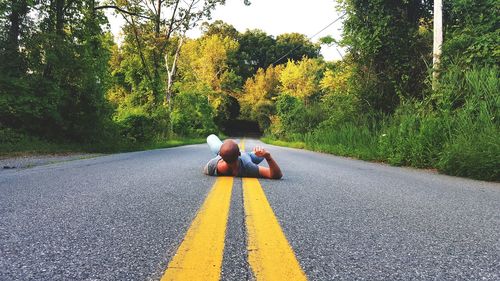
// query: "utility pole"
[[438, 40]]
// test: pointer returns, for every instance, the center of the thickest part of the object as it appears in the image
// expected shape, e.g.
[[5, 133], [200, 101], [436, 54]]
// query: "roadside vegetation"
[[66, 85], [378, 103], [18, 144]]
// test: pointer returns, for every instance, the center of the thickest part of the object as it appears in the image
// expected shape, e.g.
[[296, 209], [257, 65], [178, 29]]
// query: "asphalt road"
[[122, 217]]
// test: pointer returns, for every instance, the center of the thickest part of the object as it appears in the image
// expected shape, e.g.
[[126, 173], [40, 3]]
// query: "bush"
[[31, 105], [16, 142], [472, 33], [8, 136], [413, 137], [296, 119], [192, 115], [289, 117], [137, 128]]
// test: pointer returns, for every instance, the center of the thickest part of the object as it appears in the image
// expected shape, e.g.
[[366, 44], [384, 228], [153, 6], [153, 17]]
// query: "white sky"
[[275, 17]]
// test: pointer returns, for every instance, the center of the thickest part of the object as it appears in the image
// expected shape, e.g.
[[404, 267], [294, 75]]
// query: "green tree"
[[204, 65], [259, 93], [295, 46], [301, 79], [221, 29], [339, 102], [389, 46], [59, 90], [192, 115], [152, 26], [206, 61], [257, 50], [472, 33], [14, 20], [260, 50]]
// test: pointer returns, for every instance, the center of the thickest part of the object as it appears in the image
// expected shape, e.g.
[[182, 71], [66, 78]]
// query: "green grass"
[[347, 140], [15, 144], [173, 143], [473, 155], [292, 144], [457, 145]]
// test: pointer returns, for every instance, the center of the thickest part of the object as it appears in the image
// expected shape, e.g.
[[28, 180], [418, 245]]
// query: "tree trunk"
[[60, 17], [158, 19], [13, 57], [156, 52], [171, 73]]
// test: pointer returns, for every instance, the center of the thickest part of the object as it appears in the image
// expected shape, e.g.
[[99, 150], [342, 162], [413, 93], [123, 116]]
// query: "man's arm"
[[274, 171]]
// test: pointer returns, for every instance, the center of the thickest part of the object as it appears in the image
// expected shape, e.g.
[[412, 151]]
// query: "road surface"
[[126, 216]]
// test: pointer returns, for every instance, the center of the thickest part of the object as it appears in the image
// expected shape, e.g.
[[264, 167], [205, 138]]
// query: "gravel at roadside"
[[22, 162]]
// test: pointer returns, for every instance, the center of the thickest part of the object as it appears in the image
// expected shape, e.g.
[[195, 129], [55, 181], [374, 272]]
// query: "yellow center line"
[[269, 253], [199, 256], [242, 145]]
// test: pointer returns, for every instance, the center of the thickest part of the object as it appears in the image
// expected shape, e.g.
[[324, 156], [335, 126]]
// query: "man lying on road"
[[231, 162]]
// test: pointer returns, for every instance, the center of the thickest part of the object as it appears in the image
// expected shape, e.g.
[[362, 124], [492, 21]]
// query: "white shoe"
[[214, 143]]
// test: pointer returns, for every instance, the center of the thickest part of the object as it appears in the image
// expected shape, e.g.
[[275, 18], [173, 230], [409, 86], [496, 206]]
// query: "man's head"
[[229, 151]]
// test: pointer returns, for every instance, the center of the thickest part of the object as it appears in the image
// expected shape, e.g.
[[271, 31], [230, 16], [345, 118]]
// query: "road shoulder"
[[29, 161]]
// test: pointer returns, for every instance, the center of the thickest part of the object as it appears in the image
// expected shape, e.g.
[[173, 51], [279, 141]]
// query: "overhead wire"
[[310, 37]]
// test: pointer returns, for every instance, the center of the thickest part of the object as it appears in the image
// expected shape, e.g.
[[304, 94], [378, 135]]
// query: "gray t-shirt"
[[246, 168]]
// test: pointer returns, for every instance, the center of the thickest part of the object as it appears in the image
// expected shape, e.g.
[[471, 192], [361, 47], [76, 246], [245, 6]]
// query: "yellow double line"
[[199, 257]]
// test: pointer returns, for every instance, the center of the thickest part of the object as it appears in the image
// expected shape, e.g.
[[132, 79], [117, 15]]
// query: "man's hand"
[[273, 172], [261, 152]]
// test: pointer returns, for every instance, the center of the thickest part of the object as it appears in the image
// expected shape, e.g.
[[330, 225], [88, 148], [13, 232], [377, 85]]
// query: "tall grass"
[[346, 140], [474, 147], [413, 138], [456, 130]]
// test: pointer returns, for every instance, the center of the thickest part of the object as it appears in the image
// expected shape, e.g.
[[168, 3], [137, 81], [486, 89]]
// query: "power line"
[[310, 37]]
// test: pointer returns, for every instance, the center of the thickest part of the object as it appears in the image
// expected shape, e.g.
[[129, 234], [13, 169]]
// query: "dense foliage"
[[64, 79], [54, 73], [472, 32], [390, 43]]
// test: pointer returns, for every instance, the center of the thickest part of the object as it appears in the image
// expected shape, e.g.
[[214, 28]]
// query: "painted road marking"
[[199, 256], [269, 254], [242, 145]]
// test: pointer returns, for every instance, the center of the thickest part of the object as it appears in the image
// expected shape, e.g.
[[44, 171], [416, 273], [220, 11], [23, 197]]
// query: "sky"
[[275, 17]]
